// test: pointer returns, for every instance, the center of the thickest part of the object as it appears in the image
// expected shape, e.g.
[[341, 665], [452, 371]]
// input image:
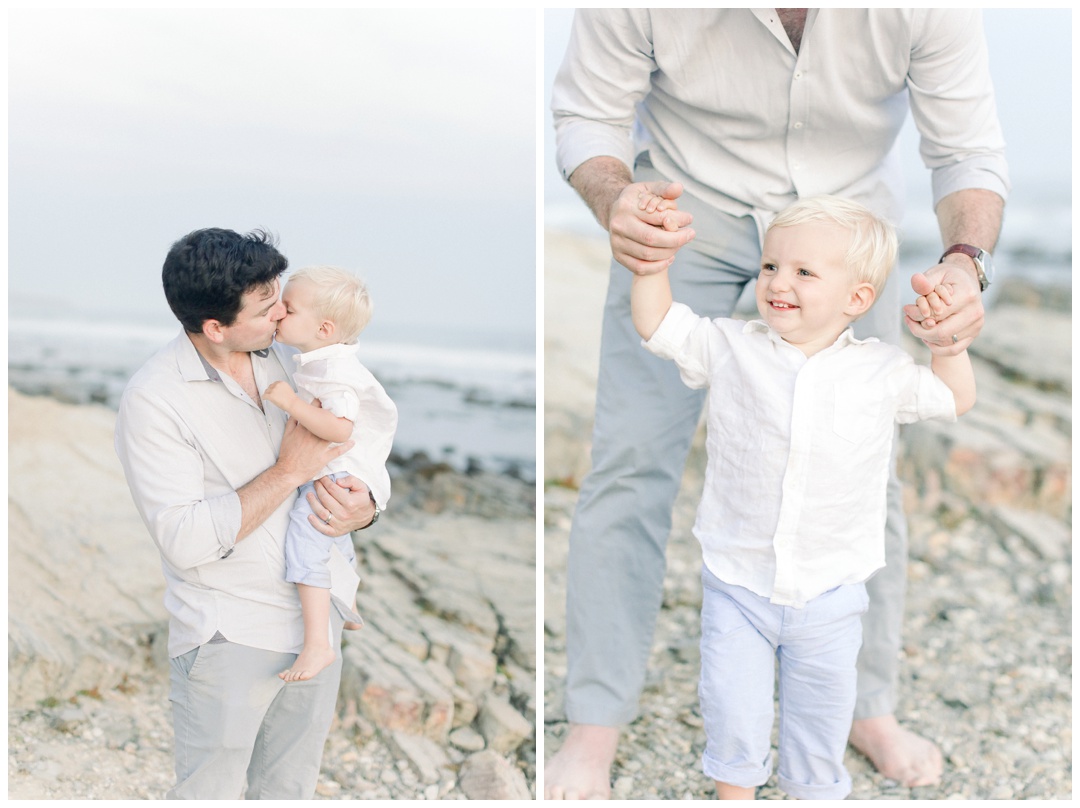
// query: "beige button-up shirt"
[[798, 450], [724, 105], [188, 438]]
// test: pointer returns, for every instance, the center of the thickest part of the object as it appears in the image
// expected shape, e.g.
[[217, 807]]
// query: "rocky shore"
[[986, 669], [438, 690]]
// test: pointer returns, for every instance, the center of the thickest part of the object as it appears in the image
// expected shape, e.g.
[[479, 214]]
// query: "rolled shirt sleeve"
[[953, 106], [606, 71], [165, 471]]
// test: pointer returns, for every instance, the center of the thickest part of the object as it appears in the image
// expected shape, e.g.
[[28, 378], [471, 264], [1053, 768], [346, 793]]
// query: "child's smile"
[[804, 290]]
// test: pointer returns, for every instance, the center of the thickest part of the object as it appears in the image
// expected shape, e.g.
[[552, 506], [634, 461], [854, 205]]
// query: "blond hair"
[[874, 245], [340, 297]]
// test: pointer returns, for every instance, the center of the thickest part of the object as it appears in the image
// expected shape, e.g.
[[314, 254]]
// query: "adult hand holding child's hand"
[[646, 226], [948, 313]]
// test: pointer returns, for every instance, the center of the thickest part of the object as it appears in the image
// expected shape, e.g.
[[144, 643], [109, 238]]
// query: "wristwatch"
[[374, 518], [984, 262]]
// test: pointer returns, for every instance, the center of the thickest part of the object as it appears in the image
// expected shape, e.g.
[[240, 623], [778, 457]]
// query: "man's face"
[[804, 289], [254, 327]]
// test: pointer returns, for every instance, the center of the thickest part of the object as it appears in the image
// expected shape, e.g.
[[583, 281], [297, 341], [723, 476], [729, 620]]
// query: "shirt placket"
[[798, 155], [793, 491]]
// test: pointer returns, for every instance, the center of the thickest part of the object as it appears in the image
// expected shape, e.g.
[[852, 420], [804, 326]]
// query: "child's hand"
[[280, 395], [938, 300], [652, 203]]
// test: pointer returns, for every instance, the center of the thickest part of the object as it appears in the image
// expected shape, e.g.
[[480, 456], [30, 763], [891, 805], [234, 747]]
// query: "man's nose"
[[279, 311]]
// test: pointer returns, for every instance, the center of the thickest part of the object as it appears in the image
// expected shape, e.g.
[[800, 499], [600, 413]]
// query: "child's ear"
[[862, 298], [326, 329]]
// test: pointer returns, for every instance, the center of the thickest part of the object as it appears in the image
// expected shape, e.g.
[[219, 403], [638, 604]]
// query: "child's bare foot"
[[898, 754], [308, 664], [351, 626], [581, 769]]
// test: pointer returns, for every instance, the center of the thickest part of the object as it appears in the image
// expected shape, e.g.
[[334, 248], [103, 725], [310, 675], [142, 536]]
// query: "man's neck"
[[794, 22], [235, 363]]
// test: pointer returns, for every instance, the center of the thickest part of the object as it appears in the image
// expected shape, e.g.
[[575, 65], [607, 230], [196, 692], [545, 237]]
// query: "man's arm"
[[971, 216], [642, 241], [300, 458]]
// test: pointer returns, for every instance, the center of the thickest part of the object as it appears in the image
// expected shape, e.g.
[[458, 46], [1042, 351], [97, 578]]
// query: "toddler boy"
[[801, 419], [325, 310]]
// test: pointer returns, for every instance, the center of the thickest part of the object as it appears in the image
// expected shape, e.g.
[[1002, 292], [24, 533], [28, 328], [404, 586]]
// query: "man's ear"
[[861, 299], [214, 331]]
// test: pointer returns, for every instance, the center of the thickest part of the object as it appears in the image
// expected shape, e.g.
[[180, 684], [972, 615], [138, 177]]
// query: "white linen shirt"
[[724, 105], [798, 450], [344, 386], [188, 438]]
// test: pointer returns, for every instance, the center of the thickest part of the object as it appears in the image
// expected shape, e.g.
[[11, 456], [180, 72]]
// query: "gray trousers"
[[645, 421], [243, 733]]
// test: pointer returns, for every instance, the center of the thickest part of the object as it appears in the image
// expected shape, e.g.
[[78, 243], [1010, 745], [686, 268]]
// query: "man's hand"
[[340, 507], [645, 233], [280, 395], [302, 455], [949, 304]]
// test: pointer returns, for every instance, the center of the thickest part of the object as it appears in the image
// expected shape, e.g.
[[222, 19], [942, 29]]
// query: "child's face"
[[804, 290], [300, 327]]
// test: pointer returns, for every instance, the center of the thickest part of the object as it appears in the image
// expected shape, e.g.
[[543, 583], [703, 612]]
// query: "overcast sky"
[[398, 144]]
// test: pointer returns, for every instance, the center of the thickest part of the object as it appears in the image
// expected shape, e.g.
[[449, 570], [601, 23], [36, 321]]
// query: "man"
[[735, 113], [213, 470]]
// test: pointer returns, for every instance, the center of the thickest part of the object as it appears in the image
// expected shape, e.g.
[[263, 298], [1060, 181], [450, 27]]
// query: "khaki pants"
[[241, 732]]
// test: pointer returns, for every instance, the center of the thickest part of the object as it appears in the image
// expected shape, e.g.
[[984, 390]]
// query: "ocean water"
[[465, 399]]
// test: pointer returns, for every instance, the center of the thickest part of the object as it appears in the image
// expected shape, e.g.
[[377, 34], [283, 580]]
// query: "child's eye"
[[768, 267], [806, 273]]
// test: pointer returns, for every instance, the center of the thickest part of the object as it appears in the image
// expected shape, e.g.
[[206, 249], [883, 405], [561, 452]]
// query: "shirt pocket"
[[856, 412]]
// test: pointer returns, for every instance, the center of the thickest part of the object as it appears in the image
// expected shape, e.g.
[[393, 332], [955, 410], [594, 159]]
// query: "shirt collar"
[[193, 365], [847, 336], [327, 352]]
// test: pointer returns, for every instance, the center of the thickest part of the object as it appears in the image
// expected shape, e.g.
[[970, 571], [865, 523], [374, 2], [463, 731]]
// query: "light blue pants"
[[307, 551], [742, 638], [243, 733], [645, 421]]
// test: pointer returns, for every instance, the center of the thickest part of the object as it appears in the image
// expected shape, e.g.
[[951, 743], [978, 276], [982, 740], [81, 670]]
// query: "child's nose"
[[779, 280]]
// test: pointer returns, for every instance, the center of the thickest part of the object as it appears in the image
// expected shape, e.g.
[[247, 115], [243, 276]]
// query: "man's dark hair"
[[207, 272]]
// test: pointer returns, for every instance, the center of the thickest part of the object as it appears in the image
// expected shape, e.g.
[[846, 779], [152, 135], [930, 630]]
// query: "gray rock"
[[488, 776], [504, 728]]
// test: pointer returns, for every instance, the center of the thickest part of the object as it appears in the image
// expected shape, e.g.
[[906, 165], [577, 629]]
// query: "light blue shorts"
[[307, 551], [742, 637]]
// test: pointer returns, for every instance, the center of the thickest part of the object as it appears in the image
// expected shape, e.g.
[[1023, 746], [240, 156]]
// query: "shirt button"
[[798, 125], [798, 74]]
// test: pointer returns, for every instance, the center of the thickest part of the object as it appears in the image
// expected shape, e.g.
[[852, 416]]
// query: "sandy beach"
[[986, 667], [438, 695]]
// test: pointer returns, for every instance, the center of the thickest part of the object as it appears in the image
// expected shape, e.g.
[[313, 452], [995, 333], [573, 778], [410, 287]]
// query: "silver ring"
[[329, 516], [955, 339]]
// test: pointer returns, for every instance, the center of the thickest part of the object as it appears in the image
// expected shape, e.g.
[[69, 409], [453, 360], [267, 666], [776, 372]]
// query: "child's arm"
[[316, 420], [956, 372], [650, 299]]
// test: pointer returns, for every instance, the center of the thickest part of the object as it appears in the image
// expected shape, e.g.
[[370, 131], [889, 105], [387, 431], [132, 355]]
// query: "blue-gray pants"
[[243, 733], [645, 421]]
